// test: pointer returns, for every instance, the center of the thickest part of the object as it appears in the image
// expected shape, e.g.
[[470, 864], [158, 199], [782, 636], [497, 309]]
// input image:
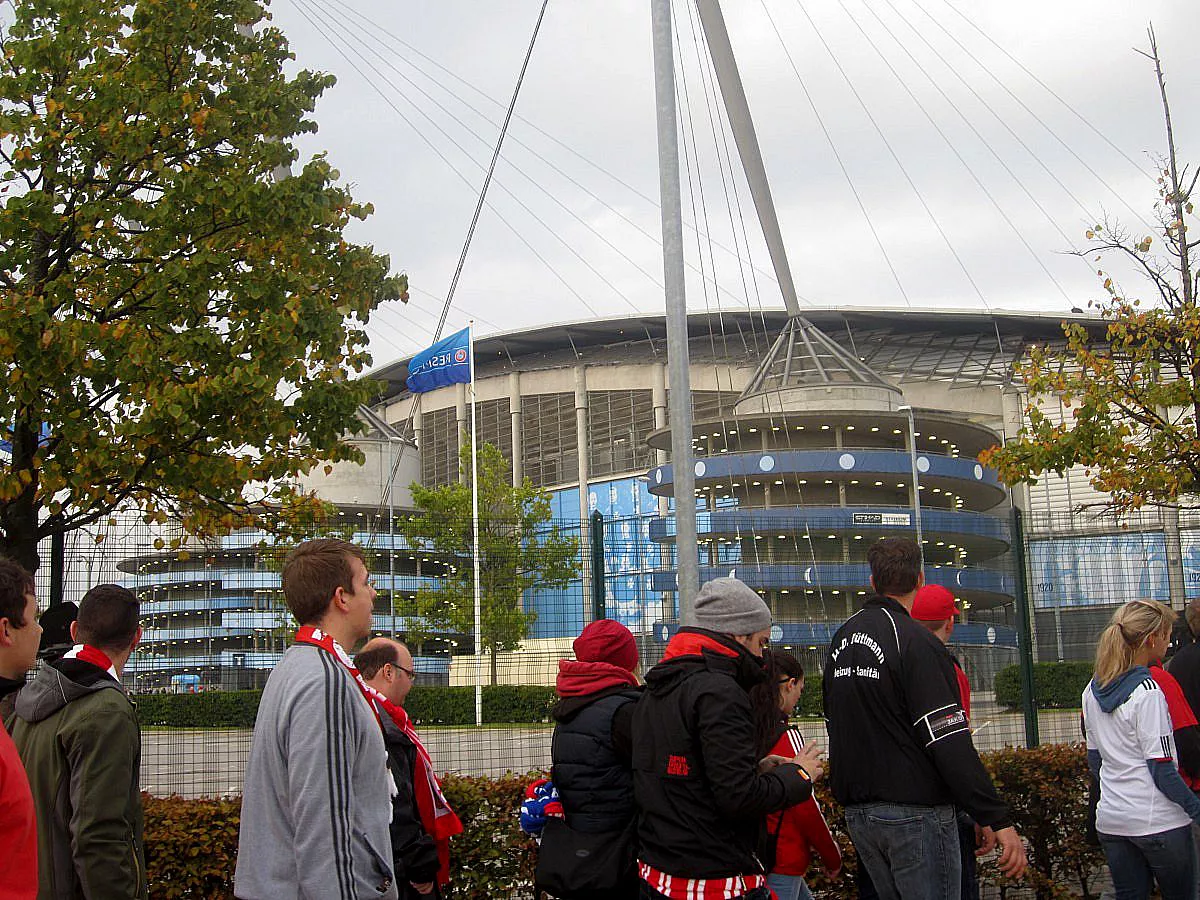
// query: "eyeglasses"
[[409, 672]]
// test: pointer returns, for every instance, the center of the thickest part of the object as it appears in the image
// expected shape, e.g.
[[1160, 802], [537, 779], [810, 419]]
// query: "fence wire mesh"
[[214, 623]]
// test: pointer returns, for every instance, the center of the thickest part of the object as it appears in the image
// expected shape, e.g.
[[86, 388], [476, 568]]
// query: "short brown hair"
[[108, 617], [313, 572], [895, 565], [15, 584], [373, 658], [1191, 613]]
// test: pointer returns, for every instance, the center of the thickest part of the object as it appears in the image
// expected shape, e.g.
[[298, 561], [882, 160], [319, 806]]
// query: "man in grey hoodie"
[[318, 797]]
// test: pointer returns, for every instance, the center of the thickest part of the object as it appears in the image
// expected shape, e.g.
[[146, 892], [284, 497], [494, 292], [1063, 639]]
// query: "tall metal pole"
[[1024, 633], [678, 368], [916, 483]]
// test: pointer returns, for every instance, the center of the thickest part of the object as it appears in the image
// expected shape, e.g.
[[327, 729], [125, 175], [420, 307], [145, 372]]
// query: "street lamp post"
[[916, 483]]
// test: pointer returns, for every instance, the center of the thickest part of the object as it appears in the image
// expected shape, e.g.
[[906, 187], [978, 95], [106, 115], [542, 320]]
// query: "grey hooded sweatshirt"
[[318, 797], [78, 736]]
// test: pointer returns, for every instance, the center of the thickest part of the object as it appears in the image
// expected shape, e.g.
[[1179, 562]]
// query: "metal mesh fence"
[[215, 624]]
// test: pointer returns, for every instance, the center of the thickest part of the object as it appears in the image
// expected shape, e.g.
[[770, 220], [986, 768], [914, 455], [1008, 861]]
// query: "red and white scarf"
[[677, 888], [309, 634], [437, 818], [95, 656]]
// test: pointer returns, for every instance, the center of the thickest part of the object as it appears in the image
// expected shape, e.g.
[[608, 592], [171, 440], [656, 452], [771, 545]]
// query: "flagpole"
[[475, 528]]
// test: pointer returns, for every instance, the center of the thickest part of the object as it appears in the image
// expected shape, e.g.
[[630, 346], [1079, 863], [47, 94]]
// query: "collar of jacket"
[[715, 651], [889, 603], [10, 685]]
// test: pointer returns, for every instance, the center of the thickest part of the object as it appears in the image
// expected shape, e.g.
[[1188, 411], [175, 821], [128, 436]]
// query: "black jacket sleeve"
[[725, 727], [413, 851], [1187, 744], [622, 732], [942, 729]]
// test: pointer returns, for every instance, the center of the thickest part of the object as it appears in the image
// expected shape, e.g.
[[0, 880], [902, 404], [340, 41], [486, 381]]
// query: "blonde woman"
[[1145, 810]]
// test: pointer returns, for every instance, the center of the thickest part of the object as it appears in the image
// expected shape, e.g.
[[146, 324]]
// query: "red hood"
[[575, 678], [690, 643]]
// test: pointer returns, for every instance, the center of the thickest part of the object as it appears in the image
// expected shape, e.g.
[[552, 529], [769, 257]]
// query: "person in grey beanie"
[[702, 791]]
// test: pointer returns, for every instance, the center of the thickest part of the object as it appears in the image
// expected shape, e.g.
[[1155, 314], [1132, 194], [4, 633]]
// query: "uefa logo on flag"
[[460, 355]]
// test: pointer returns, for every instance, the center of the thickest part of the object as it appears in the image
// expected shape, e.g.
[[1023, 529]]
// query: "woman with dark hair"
[[792, 835]]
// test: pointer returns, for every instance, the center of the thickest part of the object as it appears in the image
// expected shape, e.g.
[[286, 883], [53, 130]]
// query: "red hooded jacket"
[[800, 829]]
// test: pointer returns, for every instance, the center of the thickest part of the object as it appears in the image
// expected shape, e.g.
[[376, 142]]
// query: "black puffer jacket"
[[591, 753], [695, 769]]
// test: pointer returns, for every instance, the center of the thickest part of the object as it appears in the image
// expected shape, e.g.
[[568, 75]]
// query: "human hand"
[[985, 840], [767, 763], [424, 890], [809, 759], [1012, 861]]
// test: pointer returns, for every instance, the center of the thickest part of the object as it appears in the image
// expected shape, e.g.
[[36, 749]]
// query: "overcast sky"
[[931, 153]]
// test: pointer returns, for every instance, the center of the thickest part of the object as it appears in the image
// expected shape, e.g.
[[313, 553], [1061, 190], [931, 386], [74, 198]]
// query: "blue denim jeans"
[[1168, 858], [911, 852], [789, 887]]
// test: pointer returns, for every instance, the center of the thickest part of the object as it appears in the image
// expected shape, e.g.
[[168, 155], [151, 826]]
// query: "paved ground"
[[211, 762]]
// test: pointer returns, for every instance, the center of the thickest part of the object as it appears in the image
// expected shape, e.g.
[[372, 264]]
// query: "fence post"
[[596, 539], [58, 560], [1024, 634]]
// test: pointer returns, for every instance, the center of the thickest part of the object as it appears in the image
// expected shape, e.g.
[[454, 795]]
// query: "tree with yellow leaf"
[[1132, 387], [181, 316]]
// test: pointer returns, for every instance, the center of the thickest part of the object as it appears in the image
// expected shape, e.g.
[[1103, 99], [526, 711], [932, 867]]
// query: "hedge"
[[191, 845], [502, 703], [1056, 685]]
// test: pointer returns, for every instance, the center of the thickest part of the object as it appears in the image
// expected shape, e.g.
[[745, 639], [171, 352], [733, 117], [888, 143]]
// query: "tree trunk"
[[493, 654], [19, 517]]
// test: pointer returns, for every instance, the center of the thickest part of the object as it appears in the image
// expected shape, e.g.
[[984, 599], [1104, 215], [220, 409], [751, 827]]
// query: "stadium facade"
[[813, 436]]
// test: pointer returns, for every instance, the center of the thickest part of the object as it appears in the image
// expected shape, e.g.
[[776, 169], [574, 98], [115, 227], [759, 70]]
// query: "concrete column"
[[418, 425], [464, 422], [514, 410], [581, 440], [841, 485], [1175, 580]]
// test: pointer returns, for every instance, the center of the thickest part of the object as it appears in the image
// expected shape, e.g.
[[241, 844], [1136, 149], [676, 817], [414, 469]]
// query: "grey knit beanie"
[[729, 606]]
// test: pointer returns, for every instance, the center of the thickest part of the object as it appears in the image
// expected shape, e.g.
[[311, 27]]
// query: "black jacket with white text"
[[897, 730]]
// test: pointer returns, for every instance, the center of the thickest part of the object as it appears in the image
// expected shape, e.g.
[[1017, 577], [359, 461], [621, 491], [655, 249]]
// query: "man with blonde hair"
[[317, 798]]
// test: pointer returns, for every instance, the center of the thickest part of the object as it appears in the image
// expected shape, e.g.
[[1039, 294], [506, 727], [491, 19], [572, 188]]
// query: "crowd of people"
[[688, 784]]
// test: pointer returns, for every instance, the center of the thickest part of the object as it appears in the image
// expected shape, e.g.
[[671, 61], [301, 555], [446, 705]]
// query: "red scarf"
[[437, 818], [93, 655], [309, 634]]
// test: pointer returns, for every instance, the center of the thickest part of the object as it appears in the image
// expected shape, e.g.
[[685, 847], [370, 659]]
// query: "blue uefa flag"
[[446, 362]]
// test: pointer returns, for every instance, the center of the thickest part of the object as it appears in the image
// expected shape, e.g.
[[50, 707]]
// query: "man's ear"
[[6, 630], [871, 580], [339, 599], [137, 638], [74, 632], [921, 578]]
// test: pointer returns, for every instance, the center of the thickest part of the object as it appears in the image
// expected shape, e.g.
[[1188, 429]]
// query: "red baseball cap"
[[934, 603]]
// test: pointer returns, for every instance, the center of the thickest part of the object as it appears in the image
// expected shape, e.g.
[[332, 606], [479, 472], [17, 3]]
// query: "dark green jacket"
[[77, 733]]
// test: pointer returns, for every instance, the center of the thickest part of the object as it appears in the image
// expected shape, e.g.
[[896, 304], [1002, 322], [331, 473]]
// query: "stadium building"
[[813, 436]]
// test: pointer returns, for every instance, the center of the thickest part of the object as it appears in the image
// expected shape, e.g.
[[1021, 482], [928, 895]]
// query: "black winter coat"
[[695, 766], [414, 852], [591, 755]]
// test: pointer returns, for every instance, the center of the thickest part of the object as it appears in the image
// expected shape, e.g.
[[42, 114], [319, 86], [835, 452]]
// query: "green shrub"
[[208, 709], [502, 704], [1056, 685], [191, 845]]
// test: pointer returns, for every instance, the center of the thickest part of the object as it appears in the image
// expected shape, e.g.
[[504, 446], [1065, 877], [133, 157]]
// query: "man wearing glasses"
[[422, 821]]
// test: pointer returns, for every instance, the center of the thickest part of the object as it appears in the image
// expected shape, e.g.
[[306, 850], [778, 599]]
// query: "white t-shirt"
[[1138, 730]]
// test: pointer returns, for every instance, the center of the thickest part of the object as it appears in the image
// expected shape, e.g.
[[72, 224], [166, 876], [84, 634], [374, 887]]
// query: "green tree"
[[1132, 388], [179, 317], [518, 551]]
